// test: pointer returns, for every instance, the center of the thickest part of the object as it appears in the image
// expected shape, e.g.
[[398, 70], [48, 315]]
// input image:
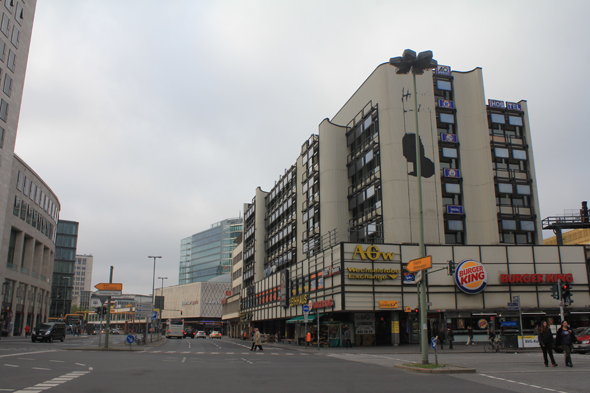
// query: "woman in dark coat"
[[546, 343], [441, 337], [565, 338]]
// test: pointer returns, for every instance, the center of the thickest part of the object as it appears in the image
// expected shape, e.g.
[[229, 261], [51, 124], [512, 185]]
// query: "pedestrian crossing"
[[234, 353]]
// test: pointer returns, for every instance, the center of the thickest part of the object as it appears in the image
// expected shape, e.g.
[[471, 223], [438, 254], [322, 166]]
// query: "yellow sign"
[[387, 303], [105, 286], [419, 264], [355, 273], [298, 300], [407, 309], [372, 253], [394, 326]]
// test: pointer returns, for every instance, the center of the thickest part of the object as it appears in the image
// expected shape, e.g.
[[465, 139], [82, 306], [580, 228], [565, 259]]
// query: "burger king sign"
[[471, 276]]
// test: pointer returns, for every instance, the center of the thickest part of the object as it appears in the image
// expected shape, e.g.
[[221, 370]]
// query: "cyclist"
[[492, 338]]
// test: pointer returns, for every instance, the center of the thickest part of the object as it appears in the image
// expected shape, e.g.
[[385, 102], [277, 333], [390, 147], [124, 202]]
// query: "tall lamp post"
[[162, 294], [63, 316], [405, 63], [153, 287]]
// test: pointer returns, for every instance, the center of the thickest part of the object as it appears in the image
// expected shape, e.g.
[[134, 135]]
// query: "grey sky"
[[151, 120]]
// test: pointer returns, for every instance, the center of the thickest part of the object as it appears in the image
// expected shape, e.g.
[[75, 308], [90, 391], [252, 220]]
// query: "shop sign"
[[482, 323], [298, 300], [496, 104], [471, 276], [395, 327], [372, 253], [372, 274], [190, 303], [528, 342], [364, 323], [284, 289], [387, 303], [323, 304], [513, 106], [535, 278], [246, 316], [443, 70]]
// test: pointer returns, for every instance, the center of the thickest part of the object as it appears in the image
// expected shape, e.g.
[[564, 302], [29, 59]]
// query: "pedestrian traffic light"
[[451, 267], [555, 291]]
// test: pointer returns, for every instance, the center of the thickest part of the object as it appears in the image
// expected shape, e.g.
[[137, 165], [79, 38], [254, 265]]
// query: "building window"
[[15, 36], [515, 120], [447, 118], [11, 60], [502, 153], [519, 154], [443, 85], [505, 188], [497, 118], [523, 189], [453, 188], [2, 51], [7, 89], [4, 27], [4, 110], [449, 153], [509, 225], [1, 137]]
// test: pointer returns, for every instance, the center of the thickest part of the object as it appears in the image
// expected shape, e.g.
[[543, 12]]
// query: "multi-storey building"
[[230, 310], [82, 285], [63, 268], [207, 254], [341, 223], [29, 209]]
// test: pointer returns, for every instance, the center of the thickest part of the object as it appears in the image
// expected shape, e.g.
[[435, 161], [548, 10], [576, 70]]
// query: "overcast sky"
[[151, 120]]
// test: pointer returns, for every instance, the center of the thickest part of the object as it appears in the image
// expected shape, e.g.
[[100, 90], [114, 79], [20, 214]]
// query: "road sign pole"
[[108, 322]]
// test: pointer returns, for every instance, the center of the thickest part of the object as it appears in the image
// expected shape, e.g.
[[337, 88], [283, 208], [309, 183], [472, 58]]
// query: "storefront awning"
[[300, 319]]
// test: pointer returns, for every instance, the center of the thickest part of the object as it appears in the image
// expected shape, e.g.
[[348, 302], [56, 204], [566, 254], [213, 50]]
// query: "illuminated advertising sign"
[[496, 104], [443, 70], [471, 276], [513, 106], [535, 278]]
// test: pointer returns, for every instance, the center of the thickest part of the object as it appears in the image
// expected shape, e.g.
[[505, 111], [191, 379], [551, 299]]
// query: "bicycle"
[[497, 346], [140, 340]]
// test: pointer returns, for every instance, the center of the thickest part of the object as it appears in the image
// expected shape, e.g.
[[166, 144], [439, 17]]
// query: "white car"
[[201, 334]]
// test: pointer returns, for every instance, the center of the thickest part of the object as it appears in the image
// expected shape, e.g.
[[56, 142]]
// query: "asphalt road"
[[229, 366]]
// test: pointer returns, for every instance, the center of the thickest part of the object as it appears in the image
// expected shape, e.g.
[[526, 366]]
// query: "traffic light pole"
[[108, 321], [561, 302]]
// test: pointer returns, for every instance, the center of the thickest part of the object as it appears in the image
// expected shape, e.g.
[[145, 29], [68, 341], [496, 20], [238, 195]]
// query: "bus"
[[175, 328]]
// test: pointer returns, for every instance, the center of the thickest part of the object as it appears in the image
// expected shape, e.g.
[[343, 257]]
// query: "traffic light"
[[584, 212], [181, 313], [451, 267], [555, 291], [566, 291]]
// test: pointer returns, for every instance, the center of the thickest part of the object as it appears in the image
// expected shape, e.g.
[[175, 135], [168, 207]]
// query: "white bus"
[[175, 328]]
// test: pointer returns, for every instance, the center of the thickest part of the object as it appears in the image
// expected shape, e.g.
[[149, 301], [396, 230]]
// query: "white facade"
[[82, 276]]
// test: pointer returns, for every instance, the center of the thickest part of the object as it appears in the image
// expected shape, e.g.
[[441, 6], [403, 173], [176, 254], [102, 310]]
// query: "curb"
[[448, 369]]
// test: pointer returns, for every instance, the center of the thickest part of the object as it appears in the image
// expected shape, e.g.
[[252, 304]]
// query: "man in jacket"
[[450, 337], [441, 337], [347, 336], [257, 340], [565, 338]]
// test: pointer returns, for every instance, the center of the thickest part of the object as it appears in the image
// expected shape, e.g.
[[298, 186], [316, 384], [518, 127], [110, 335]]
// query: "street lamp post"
[[405, 63], [153, 289], [162, 294], [65, 297]]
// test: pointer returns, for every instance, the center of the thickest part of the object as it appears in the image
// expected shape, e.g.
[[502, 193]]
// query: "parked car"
[[189, 332], [201, 334], [115, 331], [49, 331], [583, 337], [215, 334]]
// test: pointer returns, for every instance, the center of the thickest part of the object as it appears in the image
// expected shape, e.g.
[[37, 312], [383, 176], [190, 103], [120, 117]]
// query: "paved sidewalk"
[[401, 349]]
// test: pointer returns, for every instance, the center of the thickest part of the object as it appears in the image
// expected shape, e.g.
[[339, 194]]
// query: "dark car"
[[189, 332], [49, 331]]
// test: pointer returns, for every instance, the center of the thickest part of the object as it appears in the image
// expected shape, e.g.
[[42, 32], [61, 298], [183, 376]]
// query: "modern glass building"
[[207, 254], [63, 268]]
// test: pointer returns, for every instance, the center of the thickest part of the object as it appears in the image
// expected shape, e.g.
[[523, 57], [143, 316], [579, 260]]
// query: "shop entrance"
[[383, 328]]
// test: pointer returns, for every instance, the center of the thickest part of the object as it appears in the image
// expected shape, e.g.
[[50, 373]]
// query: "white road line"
[[520, 383], [247, 361], [25, 359], [40, 368], [26, 353], [80, 364], [10, 365], [58, 361], [183, 359]]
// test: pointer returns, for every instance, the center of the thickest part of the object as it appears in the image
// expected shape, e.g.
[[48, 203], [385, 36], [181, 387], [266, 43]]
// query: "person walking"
[[308, 338], [347, 337], [470, 336], [492, 338], [441, 337], [546, 343], [257, 340], [450, 337], [252, 334], [27, 330], [565, 338]]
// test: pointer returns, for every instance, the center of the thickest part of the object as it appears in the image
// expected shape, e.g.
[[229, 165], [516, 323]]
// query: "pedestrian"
[[308, 338], [347, 337], [441, 337], [470, 336], [27, 330], [565, 338], [252, 338], [450, 337], [546, 343], [257, 340]]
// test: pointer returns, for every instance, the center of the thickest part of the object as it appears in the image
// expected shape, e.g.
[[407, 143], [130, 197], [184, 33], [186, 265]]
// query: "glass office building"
[[207, 254], [63, 268]]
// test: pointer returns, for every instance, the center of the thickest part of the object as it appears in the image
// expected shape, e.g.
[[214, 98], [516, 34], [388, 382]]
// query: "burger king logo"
[[471, 276]]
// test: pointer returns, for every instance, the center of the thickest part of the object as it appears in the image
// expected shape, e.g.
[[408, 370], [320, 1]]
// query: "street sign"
[[106, 286], [107, 293], [513, 304], [305, 308], [154, 315], [418, 276], [516, 298], [130, 339], [305, 320], [514, 308], [419, 264], [433, 342]]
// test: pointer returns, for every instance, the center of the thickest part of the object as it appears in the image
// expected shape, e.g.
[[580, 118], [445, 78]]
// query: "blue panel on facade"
[[448, 138], [453, 209], [452, 173], [446, 104]]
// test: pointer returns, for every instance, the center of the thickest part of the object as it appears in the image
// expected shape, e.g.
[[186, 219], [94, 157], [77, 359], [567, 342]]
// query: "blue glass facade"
[[207, 254]]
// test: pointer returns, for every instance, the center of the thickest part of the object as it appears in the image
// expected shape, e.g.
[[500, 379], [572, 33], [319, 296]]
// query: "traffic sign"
[[418, 276], [107, 293], [154, 315], [305, 308], [130, 339], [433, 342], [513, 304], [107, 286], [419, 264]]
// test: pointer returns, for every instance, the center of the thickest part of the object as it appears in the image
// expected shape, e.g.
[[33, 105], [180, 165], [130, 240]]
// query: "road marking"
[[40, 368], [25, 359], [58, 361], [53, 382], [183, 359], [27, 353], [10, 365], [521, 383], [80, 364], [247, 361]]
